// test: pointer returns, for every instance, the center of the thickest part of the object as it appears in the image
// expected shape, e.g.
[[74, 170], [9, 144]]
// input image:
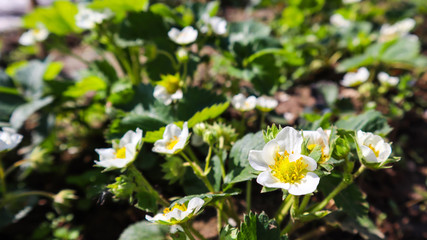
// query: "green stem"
[[171, 58], [295, 207], [262, 123], [2, 178], [192, 155], [184, 72], [187, 231], [331, 195], [219, 214], [287, 228], [143, 182], [221, 161], [14, 196], [248, 196], [343, 184], [208, 160], [14, 166], [304, 203], [284, 209], [136, 65], [359, 171], [199, 172], [197, 233]]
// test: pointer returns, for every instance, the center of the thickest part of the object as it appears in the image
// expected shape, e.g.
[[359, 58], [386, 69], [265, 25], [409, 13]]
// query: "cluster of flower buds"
[[217, 133]]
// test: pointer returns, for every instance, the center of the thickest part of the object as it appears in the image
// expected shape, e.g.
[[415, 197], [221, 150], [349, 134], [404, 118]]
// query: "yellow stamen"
[[121, 153], [171, 143], [181, 207], [171, 83], [376, 152], [286, 171], [311, 147]]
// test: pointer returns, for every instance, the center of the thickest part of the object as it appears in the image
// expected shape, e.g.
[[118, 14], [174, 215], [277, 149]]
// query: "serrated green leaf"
[[370, 121], [145, 230], [239, 168], [271, 132], [258, 227], [208, 113]]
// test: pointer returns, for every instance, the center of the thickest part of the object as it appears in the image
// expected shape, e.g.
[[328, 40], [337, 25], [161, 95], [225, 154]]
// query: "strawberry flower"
[[122, 153], [282, 165]]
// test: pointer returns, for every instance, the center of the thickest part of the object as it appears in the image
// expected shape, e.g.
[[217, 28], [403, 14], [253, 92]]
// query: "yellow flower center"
[[171, 83], [171, 143], [121, 153], [376, 152], [324, 156], [181, 207], [287, 171]]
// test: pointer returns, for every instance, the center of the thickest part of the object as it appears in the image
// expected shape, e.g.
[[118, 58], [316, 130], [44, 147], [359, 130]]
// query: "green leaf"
[[402, 51], [271, 132], [208, 113], [207, 197], [228, 233], [195, 100], [133, 121], [146, 201], [90, 83], [240, 170], [22, 112], [370, 121], [58, 18], [350, 200], [120, 7], [137, 28], [53, 69], [30, 78], [316, 153], [361, 225], [258, 227], [145, 230]]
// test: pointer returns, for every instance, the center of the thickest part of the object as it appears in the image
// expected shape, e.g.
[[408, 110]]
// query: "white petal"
[[267, 180], [256, 160], [105, 153], [368, 154], [290, 140], [306, 186], [171, 131], [312, 165], [269, 152], [195, 204]]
